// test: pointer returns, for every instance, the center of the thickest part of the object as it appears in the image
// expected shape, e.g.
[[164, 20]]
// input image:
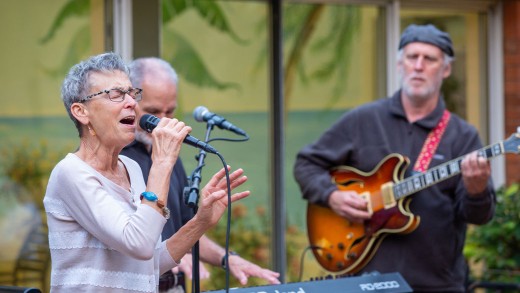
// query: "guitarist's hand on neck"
[[349, 205], [475, 173]]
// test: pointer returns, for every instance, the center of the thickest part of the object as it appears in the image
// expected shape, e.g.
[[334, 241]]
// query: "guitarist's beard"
[[419, 93]]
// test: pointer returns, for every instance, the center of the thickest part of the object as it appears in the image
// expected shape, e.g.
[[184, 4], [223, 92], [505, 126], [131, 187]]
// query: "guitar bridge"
[[387, 193], [366, 196]]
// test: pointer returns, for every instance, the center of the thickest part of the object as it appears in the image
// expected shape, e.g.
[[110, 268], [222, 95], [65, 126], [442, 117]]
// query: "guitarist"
[[430, 258]]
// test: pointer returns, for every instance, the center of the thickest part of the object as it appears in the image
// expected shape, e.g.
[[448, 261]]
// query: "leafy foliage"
[[79, 46], [496, 245], [73, 8], [335, 46], [27, 168], [252, 243], [300, 22], [210, 11], [189, 62], [79, 42]]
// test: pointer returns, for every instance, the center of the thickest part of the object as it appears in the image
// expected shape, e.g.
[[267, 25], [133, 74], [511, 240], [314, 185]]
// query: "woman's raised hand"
[[214, 199]]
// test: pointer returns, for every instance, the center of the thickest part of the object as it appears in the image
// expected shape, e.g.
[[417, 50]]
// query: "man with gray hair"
[[159, 83], [424, 236]]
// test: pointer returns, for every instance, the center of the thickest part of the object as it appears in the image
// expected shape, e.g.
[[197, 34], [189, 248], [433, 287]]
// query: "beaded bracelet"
[[150, 196]]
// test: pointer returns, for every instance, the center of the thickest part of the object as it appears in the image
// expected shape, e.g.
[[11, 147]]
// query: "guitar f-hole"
[[351, 182]]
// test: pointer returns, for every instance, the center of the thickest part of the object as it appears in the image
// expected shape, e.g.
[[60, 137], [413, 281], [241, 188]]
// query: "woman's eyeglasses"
[[118, 95]]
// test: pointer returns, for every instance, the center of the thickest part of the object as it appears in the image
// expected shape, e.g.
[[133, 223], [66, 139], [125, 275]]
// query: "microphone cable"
[[302, 259], [228, 221], [246, 138], [228, 182], [228, 185]]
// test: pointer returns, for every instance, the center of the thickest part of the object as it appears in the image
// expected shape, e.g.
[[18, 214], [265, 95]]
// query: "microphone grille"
[[198, 113], [148, 122]]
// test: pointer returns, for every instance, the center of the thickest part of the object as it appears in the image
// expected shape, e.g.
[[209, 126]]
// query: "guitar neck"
[[441, 172]]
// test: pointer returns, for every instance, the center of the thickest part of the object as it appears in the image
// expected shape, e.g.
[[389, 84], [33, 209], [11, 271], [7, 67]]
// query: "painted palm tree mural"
[[80, 42], [299, 31], [300, 22]]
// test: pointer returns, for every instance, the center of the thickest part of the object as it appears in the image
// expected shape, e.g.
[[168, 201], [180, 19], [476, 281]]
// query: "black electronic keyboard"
[[389, 283]]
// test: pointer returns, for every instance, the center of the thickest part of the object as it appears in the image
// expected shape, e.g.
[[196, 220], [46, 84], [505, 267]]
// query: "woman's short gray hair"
[[76, 84]]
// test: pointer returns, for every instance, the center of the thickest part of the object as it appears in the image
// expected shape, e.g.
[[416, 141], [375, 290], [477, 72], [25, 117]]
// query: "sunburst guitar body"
[[345, 247], [341, 246]]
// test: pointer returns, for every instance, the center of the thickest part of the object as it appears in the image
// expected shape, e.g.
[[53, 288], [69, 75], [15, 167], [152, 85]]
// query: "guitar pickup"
[[366, 196], [387, 193]]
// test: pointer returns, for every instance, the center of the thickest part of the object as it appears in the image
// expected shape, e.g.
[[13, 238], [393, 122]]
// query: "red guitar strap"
[[431, 143]]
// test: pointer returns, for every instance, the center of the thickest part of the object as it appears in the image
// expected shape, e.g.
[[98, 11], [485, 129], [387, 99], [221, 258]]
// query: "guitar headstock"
[[512, 144]]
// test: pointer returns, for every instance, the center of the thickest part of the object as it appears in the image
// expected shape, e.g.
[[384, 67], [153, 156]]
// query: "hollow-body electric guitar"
[[344, 247]]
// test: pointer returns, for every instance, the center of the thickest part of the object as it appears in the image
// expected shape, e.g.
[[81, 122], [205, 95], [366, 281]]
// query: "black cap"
[[427, 34]]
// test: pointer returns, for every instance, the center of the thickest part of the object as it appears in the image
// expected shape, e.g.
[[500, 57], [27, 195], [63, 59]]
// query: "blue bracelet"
[[150, 196]]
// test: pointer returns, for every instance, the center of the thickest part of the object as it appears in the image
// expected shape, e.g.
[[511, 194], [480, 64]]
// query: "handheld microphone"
[[148, 122], [202, 113]]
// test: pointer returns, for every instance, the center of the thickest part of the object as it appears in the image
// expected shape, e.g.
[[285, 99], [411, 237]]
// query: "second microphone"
[[148, 123], [202, 113]]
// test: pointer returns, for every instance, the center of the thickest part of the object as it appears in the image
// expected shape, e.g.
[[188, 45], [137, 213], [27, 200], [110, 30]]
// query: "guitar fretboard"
[[440, 173]]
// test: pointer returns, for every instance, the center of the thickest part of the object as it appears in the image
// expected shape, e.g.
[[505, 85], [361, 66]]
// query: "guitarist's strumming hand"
[[475, 171], [349, 205]]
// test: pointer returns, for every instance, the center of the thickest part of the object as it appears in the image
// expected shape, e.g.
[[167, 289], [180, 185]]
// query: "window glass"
[[224, 67], [221, 54], [337, 70], [333, 63], [40, 41], [332, 59]]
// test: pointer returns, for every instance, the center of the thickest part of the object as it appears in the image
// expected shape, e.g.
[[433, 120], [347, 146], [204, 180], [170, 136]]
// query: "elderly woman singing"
[[104, 221]]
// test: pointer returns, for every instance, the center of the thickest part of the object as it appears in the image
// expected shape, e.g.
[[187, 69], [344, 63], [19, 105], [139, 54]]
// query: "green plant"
[[252, 243], [496, 245], [27, 168]]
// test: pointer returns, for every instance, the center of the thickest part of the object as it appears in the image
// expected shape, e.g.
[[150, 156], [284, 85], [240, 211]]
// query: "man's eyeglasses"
[[118, 95]]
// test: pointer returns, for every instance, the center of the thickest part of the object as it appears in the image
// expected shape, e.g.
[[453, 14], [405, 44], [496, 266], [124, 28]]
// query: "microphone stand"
[[191, 194]]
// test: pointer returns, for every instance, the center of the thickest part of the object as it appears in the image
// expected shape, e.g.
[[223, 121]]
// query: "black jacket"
[[430, 258]]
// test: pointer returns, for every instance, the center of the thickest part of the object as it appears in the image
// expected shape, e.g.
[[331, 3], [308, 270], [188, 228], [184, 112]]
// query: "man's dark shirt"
[[180, 213], [430, 258]]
